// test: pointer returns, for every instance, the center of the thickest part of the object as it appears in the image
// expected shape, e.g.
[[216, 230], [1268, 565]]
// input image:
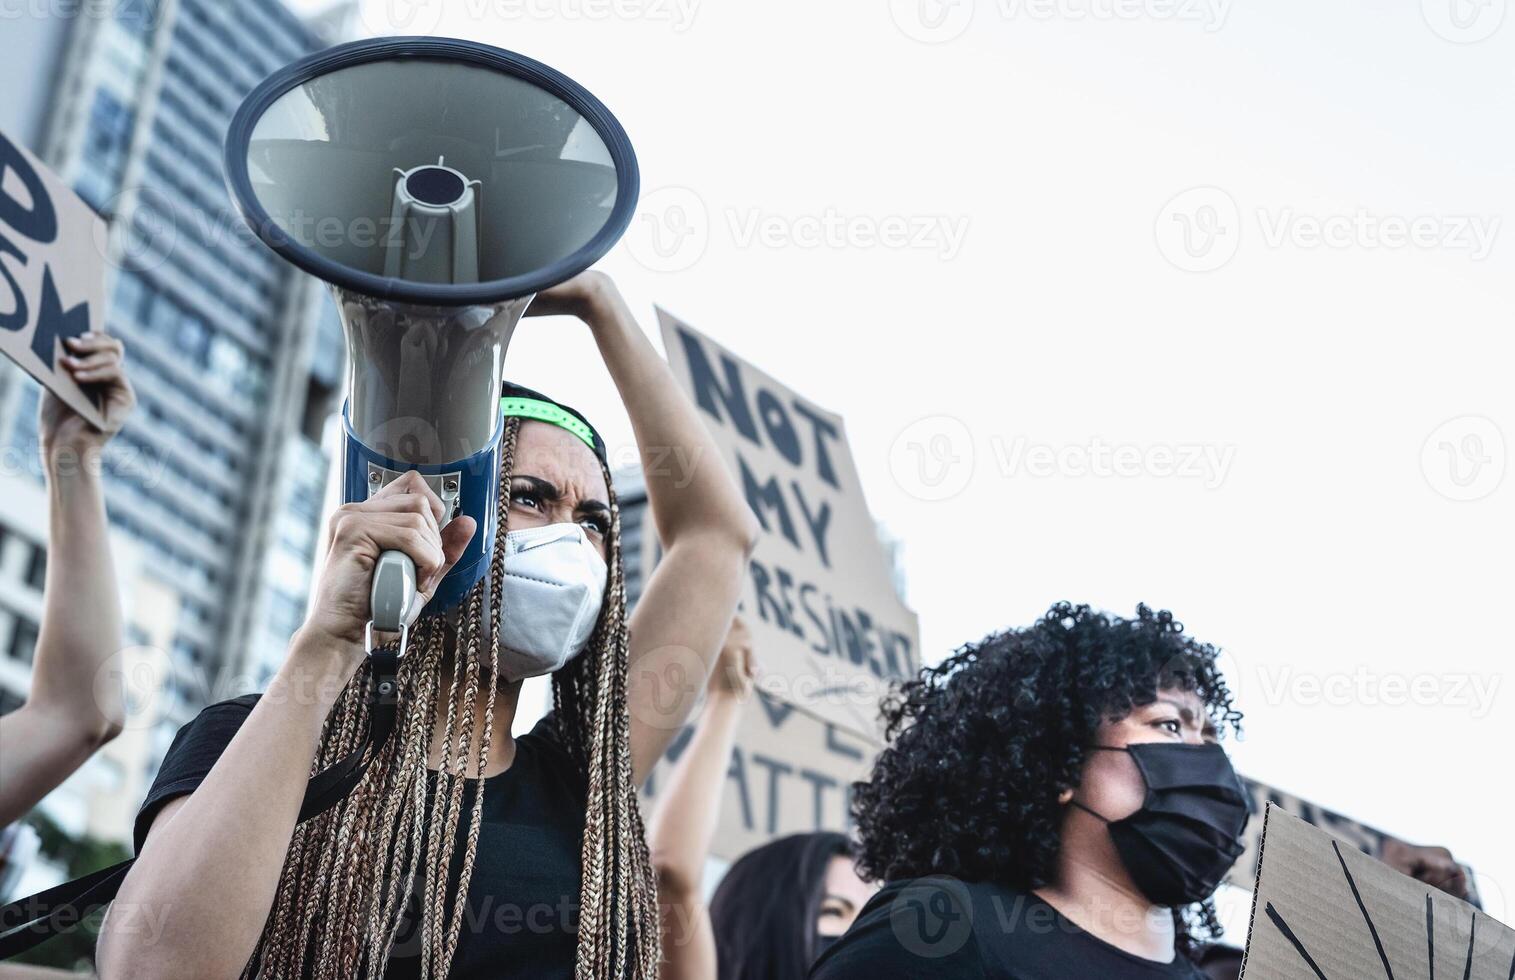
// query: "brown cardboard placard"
[[789, 773], [830, 630], [52, 272], [1323, 910]]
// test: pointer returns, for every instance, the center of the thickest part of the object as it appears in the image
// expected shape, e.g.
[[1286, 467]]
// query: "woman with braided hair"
[[463, 852]]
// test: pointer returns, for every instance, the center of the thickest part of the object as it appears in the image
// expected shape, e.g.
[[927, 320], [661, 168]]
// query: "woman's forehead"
[[560, 457]]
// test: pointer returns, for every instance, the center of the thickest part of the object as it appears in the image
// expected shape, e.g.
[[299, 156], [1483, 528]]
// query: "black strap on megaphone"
[[62, 907]]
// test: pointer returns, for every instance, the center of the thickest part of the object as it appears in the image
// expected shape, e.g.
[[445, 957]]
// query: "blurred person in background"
[[75, 704], [780, 904], [1053, 802], [464, 852], [1429, 864]]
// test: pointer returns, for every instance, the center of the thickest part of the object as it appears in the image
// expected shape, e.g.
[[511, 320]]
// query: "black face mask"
[[1187, 834]]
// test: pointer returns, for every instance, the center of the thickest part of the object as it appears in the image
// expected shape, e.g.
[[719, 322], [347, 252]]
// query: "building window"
[[36, 569], [137, 16], [105, 145], [23, 641], [129, 297], [194, 339]]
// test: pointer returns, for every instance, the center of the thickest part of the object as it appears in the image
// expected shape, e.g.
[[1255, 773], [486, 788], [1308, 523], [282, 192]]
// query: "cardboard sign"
[[828, 626], [1325, 911], [789, 773], [52, 272], [1359, 835]]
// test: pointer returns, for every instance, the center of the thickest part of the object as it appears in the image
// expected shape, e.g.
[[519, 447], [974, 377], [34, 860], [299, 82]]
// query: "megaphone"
[[436, 185]]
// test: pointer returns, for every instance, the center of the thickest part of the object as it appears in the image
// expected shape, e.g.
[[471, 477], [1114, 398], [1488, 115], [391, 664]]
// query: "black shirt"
[[944, 928], [522, 918]]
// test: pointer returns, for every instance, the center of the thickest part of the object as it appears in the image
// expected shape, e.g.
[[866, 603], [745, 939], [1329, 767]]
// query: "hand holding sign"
[[94, 360], [52, 275]]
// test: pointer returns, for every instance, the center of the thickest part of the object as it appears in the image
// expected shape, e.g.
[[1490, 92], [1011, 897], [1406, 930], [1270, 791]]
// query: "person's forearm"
[[688, 488], [81, 614], [205, 881], [684, 823], [74, 704]]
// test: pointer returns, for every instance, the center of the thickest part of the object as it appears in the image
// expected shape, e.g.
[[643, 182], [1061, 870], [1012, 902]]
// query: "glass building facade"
[[236, 357]]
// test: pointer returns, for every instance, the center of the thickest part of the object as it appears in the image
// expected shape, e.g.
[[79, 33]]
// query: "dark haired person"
[[464, 852], [74, 705], [1053, 803], [780, 904]]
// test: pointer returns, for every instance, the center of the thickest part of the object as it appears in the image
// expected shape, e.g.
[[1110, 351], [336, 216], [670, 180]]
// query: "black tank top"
[[523, 902]]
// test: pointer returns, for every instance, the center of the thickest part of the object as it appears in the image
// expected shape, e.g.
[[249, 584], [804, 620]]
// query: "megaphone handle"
[[393, 591]]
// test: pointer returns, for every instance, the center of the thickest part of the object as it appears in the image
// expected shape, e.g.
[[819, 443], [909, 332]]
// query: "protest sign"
[[52, 272], [1324, 910], [828, 626], [790, 773]]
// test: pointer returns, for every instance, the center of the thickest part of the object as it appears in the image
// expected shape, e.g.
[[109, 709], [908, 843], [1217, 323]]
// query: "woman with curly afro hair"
[[1053, 803]]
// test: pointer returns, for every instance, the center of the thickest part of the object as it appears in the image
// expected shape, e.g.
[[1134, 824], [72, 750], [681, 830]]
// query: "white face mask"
[[553, 587]]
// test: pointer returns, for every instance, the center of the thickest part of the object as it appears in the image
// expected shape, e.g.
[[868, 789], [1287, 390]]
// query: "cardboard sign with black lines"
[[789, 773], [52, 272], [1323, 910], [829, 630]]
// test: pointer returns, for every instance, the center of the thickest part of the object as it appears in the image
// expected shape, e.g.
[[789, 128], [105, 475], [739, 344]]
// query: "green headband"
[[533, 408]]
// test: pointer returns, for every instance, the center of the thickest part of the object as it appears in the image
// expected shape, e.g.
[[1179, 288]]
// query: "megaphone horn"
[[436, 185]]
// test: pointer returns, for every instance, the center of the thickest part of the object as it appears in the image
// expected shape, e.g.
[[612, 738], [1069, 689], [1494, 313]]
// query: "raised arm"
[[706, 528], [207, 876], [684, 822], [74, 706]]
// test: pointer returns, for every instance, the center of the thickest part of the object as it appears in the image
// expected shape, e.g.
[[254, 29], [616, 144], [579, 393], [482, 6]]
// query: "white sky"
[[1318, 373]]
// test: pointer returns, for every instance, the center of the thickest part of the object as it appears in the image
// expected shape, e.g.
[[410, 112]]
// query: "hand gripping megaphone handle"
[[393, 592]]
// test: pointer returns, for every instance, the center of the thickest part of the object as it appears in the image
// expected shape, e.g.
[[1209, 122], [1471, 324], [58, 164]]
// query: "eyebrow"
[[1184, 711], [832, 896], [549, 491]]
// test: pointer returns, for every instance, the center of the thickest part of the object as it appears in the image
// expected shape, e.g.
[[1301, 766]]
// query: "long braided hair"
[[351, 872]]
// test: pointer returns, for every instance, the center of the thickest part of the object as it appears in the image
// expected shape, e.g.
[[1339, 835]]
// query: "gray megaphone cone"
[[436, 185]]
